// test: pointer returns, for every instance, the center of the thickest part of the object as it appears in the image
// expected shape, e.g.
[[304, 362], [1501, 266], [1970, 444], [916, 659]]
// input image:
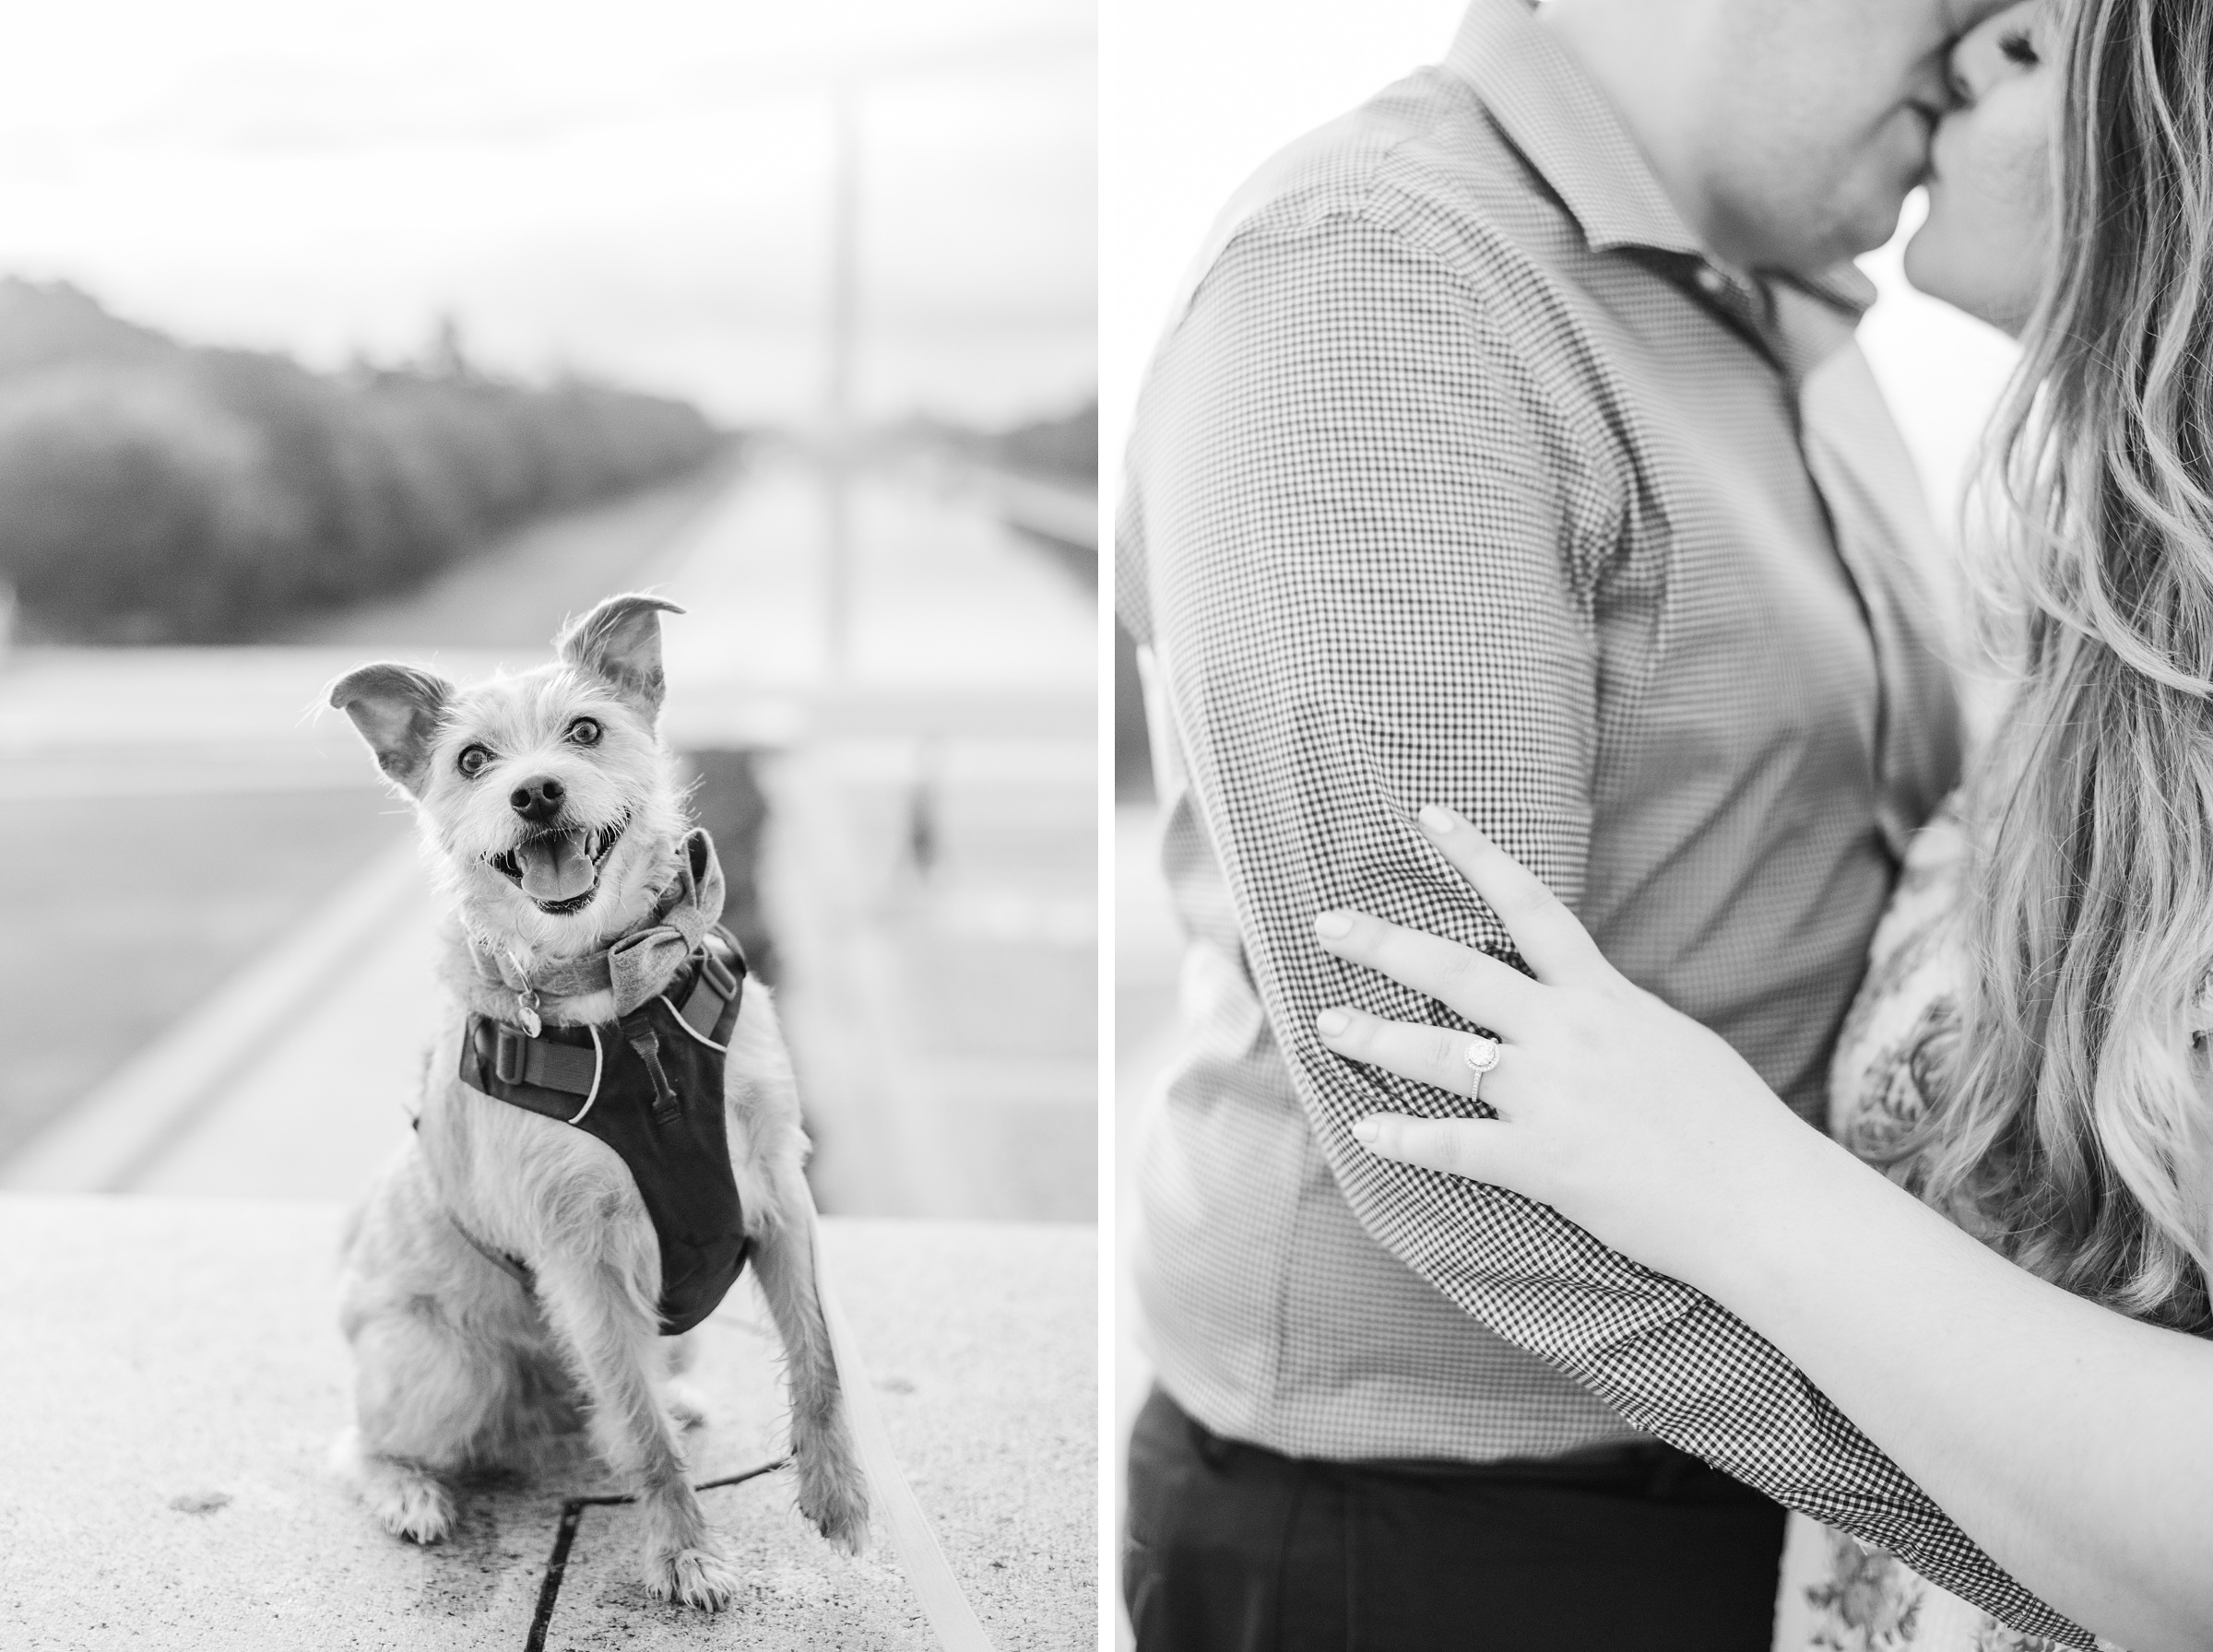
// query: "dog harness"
[[649, 1084]]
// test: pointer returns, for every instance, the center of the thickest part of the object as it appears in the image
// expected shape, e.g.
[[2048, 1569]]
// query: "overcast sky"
[[639, 191]]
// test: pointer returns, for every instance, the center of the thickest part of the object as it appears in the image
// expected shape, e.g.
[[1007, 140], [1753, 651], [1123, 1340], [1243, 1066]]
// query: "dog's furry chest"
[[517, 1179]]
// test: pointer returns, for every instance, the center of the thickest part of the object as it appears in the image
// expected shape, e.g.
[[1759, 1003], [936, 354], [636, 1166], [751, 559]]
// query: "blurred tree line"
[[154, 491], [1063, 448], [1067, 447]]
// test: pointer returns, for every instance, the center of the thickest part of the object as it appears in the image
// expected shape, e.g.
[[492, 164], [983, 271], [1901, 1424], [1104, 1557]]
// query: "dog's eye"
[[473, 760], [584, 732]]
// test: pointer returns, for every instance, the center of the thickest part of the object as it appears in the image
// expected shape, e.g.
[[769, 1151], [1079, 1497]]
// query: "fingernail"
[[1331, 1022], [1334, 925], [1365, 1130], [1437, 818]]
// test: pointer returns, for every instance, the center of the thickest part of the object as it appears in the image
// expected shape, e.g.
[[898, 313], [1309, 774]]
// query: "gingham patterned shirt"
[[1461, 475]]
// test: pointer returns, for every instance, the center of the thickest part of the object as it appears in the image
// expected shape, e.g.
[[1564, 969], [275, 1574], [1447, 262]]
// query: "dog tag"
[[526, 997]]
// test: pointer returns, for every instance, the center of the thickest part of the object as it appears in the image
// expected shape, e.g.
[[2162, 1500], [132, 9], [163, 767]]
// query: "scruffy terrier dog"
[[608, 1127]]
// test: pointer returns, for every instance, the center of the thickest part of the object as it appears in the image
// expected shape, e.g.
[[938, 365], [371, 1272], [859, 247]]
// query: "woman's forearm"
[[2074, 1443]]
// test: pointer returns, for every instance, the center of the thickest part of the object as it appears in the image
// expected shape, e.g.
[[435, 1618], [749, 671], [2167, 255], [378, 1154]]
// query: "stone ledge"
[[174, 1377]]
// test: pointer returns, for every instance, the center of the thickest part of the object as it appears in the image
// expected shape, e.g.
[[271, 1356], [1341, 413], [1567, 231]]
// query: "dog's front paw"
[[834, 1493], [411, 1505], [700, 1577]]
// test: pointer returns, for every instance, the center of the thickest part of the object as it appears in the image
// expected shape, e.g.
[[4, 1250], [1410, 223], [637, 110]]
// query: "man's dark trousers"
[[1231, 1548]]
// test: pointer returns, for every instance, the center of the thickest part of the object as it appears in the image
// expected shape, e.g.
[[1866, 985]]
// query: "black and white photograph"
[[549, 735], [1157, 825]]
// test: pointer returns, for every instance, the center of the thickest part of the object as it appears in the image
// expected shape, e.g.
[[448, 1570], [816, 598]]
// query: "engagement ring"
[[1482, 1054]]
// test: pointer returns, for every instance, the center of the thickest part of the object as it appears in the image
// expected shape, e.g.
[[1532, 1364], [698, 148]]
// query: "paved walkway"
[[932, 873], [176, 1377]]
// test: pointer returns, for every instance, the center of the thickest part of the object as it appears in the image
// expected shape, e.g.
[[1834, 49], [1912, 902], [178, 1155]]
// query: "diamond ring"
[[1482, 1054]]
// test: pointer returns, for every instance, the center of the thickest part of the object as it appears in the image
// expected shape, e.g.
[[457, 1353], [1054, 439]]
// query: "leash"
[[950, 1617]]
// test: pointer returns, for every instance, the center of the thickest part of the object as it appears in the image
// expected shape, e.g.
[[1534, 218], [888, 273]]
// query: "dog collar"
[[557, 1071]]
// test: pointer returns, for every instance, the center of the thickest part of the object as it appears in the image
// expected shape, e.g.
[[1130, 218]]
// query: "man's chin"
[[1855, 228], [1810, 246]]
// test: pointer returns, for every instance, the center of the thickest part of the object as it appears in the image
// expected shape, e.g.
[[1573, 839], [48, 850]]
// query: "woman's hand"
[[1620, 1112]]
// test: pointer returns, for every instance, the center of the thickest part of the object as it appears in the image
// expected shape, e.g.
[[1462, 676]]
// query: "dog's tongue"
[[554, 867]]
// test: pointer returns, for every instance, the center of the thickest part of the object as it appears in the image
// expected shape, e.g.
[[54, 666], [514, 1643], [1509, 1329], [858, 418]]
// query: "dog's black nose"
[[538, 799]]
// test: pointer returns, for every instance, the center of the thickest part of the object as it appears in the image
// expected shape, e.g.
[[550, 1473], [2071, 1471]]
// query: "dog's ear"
[[620, 643], [397, 710]]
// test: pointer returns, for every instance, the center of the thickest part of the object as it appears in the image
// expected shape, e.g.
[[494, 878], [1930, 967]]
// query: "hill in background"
[[152, 490]]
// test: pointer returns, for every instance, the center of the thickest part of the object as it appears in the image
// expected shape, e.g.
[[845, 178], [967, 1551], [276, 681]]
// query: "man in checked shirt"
[[1511, 451]]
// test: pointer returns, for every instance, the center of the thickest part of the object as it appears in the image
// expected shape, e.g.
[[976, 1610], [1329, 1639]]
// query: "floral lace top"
[[1836, 1596]]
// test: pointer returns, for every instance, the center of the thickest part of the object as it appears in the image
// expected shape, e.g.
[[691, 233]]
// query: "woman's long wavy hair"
[[2074, 1132]]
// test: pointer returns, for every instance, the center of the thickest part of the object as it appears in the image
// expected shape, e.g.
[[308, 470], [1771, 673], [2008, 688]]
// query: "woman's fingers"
[[1479, 1148], [1489, 992], [1544, 931], [1427, 1055]]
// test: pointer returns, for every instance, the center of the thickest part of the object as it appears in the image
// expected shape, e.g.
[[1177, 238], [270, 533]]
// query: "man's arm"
[[1373, 537]]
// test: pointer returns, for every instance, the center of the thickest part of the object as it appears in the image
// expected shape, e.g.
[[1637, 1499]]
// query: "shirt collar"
[[1566, 128], [1570, 132]]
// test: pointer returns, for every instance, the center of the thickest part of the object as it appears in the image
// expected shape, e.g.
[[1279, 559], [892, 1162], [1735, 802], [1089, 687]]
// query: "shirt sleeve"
[[1372, 531]]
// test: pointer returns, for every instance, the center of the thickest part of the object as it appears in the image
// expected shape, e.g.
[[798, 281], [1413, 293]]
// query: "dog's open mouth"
[[560, 870]]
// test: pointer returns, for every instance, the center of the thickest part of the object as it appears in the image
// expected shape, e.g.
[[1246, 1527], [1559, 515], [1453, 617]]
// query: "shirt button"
[[1710, 280]]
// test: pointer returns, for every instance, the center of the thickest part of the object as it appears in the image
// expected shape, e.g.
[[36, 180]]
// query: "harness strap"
[[718, 988], [546, 1062], [515, 1057]]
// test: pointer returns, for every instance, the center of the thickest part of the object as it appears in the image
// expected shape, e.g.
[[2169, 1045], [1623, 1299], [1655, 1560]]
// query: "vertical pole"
[[838, 456]]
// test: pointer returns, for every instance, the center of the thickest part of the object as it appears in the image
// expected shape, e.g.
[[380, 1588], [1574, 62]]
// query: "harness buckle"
[[668, 1105], [510, 1052], [717, 973]]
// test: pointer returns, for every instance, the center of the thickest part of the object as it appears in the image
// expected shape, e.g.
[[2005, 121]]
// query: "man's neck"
[[1643, 56]]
